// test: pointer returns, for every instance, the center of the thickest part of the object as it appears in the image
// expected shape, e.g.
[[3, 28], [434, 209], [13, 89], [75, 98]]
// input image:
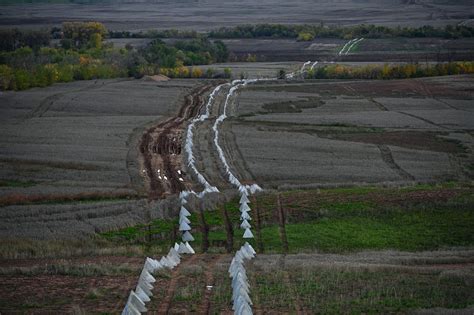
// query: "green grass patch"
[[422, 217]]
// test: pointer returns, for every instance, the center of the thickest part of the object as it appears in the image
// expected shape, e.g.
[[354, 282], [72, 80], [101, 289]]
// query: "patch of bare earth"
[[161, 151]]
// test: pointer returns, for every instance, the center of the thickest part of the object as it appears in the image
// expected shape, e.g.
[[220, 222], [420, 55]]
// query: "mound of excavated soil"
[[156, 78]]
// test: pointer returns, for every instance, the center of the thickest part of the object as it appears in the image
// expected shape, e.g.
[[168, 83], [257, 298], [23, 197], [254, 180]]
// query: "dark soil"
[[160, 147]]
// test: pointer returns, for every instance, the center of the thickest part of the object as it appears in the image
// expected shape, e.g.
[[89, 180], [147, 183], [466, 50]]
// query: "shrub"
[[305, 37]]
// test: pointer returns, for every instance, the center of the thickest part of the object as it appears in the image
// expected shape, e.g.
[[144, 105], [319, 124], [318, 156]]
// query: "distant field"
[[336, 133], [326, 49], [205, 15], [370, 50]]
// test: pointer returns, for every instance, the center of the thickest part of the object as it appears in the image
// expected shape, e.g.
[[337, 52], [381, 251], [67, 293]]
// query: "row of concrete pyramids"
[[240, 285], [244, 215], [143, 292]]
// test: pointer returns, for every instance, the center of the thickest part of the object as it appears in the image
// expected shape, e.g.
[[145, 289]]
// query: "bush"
[[6, 77], [227, 73], [305, 37], [82, 34]]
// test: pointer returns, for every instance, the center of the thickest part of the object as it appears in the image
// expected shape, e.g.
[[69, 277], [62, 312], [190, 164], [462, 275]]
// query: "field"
[[349, 131], [324, 49], [369, 50], [77, 143], [344, 244], [204, 15], [367, 204]]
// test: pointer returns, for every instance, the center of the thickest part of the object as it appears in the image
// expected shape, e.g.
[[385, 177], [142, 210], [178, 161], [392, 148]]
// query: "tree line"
[[309, 32], [27, 59], [306, 32], [387, 71]]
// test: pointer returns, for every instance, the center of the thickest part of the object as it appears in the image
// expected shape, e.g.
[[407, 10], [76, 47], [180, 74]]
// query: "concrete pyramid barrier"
[[147, 277], [245, 216], [244, 207], [244, 199], [130, 310], [245, 225], [187, 237], [184, 219], [183, 226], [145, 287], [248, 234], [142, 294], [184, 212]]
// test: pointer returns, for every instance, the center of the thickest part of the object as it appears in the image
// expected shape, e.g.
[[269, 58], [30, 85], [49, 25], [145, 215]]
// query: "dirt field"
[[324, 49], [99, 285], [373, 50], [204, 15], [346, 132], [77, 145], [90, 171]]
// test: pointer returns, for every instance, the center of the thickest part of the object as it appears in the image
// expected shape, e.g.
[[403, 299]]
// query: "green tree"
[[281, 74], [6, 77], [227, 73], [81, 33]]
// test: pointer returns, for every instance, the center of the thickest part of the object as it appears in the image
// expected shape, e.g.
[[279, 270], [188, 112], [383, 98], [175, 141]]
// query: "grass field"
[[423, 217]]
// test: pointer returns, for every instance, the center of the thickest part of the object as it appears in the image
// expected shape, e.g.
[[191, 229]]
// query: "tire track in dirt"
[[205, 306], [234, 155], [378, 104], [424, 119], [299, 310], [387, 157], [48, 101], [175, 277], [161, 148]]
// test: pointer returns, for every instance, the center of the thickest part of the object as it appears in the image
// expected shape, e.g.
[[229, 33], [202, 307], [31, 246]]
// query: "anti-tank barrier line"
[[137, 299], [352, 45], [341, 52], [344, 47], [142, 294], [240, 297], [242, 304], [189, 144]]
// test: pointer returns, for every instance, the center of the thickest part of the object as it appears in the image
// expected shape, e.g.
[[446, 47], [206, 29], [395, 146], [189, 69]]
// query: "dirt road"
[[161, 148]]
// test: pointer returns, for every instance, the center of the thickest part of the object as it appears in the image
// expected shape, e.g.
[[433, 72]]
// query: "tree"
[[196, 73], [281, 74], [6, 77], [227, 72], [305, 37], [95, 41], [81, 33]]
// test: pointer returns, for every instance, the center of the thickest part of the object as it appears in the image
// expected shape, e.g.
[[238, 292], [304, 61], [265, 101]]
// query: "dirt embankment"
[[161, 148]]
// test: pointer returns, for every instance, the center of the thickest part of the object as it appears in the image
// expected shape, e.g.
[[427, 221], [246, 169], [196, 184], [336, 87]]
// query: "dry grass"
[[22, 199], [25, 249], [71, 269]]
